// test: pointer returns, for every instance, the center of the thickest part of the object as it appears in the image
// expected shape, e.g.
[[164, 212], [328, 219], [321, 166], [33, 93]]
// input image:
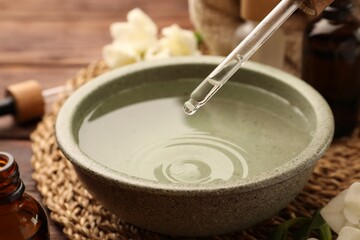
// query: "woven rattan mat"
[[82, 217]]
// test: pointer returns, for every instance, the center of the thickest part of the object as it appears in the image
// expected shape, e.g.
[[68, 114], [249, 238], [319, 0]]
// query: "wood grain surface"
[[50, 40]]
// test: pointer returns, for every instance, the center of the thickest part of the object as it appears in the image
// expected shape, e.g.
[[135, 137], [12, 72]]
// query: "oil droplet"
[[190, 107]]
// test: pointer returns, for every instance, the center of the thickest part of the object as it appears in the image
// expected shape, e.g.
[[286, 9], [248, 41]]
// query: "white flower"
[[344, 209], [175, 42], [116, 55], [349, 233], [136, 40], [179, 41], [130, 39], [139, 32]]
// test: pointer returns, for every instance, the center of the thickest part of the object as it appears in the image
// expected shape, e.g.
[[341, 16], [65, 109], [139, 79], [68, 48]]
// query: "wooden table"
[[50, 40]]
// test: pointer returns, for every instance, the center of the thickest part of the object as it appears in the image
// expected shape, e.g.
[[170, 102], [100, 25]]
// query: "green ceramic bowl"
[[198, 208]]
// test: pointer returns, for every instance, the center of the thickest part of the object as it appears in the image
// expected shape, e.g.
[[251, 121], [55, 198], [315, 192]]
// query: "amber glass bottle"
[[21, 216], [331, 62]]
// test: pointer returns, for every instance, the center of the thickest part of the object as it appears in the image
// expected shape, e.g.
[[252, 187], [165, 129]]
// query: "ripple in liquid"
[[196, 158]]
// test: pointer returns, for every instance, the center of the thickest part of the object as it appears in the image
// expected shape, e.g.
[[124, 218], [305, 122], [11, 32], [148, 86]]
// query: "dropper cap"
[[28, 99], [256, 10]]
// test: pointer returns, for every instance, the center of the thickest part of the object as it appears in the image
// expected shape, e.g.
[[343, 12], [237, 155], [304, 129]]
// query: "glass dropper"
[[219, 76]]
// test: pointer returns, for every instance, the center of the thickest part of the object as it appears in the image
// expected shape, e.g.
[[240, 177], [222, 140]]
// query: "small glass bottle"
[[272, 52], [331, 62], [21, 216]]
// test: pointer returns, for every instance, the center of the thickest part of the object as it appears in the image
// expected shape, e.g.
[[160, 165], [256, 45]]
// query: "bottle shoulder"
[[25, 217], [25, 204]]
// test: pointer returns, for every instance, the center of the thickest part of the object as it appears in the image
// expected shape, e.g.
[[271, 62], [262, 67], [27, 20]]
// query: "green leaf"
[[320, 225], [198, 37], [280, 233], [305, 226], [318, 221], [317, 224], [325, 232]]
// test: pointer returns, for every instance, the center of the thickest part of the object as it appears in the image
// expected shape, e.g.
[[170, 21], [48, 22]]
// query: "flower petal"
[[333, 212], [116, 55], [121, 31], [352, 204], [139, 33], [139, 19], [179, 41], [157, 52], [349, 233]]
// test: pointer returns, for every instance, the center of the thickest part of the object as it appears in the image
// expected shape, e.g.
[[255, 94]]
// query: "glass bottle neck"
[[11, 186]]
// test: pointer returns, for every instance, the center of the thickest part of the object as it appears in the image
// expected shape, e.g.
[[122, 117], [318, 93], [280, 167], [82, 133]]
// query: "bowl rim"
[[322, 135]]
